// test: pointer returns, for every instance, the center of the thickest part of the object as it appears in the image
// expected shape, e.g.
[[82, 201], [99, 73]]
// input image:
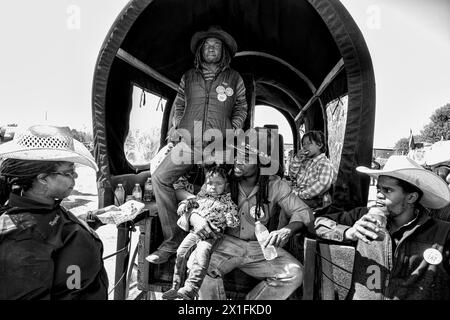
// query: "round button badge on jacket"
[[220, 89], [432, 256], [221, 97], [229, 91]]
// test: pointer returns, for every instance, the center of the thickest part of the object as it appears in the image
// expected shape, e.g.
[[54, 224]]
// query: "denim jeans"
[[197, 271], [163, 179], [280, 277]]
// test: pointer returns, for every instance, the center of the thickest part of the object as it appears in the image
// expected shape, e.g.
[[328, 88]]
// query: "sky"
[[50, 49]]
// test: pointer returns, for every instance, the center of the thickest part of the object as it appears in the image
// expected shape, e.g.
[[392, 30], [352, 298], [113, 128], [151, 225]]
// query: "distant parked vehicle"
[[7, 132]]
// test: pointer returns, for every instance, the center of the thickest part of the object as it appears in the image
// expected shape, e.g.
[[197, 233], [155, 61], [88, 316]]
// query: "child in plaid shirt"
[[311, 171], [220, 211]]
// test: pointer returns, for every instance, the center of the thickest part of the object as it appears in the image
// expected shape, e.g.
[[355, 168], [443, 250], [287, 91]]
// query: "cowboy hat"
[[436, 193], [47, 143], [214, 32], [438, 153], [262, 143]]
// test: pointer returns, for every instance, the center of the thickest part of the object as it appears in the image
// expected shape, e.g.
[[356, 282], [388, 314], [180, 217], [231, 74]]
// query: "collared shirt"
[[48, 253], [279, 194], [314, 177], [398, 234]]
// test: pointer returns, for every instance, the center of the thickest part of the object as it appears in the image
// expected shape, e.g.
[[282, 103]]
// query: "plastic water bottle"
[[119, 195], [262, 234], [148, 190], [137, 192]]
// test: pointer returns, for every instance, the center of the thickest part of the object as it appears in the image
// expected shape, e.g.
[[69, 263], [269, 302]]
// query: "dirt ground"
[[84, 198]]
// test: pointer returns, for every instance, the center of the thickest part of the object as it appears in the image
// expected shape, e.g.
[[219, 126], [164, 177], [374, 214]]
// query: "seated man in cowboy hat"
[[401, 253], [258, 191], [211, 98]]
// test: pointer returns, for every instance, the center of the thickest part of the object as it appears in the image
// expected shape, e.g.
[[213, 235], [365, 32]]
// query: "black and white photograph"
[[186, 152]]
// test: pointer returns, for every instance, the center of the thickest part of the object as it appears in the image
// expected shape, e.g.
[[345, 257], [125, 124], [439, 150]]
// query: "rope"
[[131, 228], [336, 265], [128, 245], [130, 269], [115, 253], [117, 283]]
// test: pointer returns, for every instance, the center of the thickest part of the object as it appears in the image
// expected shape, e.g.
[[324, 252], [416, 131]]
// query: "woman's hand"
[[278, 238], [365, 229], [91, 216]]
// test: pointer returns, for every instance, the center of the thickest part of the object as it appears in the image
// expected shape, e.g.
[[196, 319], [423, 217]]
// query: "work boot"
[[187, 293], [159, 256], [171, 294]]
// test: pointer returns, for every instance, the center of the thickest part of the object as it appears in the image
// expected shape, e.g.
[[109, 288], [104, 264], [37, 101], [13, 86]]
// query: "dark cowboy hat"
[[214, 32], [261, 142]]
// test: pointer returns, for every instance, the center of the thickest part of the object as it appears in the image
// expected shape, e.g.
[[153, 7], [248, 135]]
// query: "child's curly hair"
[[216, 169]]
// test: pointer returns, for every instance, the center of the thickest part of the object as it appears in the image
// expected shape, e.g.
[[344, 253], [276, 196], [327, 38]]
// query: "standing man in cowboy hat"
[[211, 96], [401, 253]]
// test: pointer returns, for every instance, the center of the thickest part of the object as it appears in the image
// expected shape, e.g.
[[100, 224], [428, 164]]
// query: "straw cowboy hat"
[[436, 193], [214, 32], [47, 143]]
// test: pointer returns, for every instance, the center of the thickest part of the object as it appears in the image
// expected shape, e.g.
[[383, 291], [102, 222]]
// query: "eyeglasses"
[[68, 174]]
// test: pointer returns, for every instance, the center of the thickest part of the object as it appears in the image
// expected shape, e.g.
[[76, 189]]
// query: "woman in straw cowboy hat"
[[402, 253], [45, 251]]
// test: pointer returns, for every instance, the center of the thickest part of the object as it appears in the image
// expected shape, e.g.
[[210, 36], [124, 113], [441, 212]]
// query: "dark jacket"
[[48, 253], [204, 106], [394, 268]]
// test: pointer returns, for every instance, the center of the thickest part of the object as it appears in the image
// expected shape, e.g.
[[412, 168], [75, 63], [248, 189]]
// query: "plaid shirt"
[[313, 177]]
